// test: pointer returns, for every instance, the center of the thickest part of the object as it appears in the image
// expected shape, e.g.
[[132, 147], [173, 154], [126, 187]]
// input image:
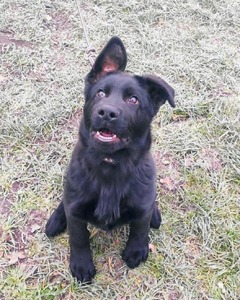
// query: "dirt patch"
[[60, 26], [73, 121], [60, 20], [18, 240], [193, 249], [5, 206], [7, 39], [35, 221], [208, 159], [169, 172]]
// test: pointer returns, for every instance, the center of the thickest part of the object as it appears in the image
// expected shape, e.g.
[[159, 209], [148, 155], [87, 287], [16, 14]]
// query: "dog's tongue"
[[106, 133], [106, 136]]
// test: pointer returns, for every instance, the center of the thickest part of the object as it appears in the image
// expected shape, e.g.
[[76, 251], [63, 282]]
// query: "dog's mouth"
[[106, 136]]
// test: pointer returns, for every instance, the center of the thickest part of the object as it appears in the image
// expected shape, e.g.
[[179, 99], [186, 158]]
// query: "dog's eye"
[[133, 100], [101, 94]]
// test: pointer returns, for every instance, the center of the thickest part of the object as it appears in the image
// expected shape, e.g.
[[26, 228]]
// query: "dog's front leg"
[[81, 264], [137, 248]]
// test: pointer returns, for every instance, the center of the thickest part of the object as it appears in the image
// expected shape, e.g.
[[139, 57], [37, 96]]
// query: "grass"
[[192, 44]]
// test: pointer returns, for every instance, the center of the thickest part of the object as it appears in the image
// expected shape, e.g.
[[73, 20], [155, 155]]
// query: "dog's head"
[[119, 107]]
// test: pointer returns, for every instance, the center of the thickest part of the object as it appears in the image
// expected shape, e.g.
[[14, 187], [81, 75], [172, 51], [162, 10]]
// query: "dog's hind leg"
[[156, 218], [57, 222]]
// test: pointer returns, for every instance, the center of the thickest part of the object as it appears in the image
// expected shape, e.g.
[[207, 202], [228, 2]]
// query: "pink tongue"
[[106, 133]]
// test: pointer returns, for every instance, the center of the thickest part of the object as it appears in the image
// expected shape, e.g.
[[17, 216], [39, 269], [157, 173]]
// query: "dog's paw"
[[156, 219], [83, 272], [133, 257], [56, 224]]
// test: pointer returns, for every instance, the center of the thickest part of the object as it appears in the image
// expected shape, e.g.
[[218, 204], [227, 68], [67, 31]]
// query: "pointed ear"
[[113, 58], [159, 90]]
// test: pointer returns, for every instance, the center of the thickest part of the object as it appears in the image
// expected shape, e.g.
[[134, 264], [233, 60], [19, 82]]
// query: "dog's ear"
[[159, 90], [113, 58]]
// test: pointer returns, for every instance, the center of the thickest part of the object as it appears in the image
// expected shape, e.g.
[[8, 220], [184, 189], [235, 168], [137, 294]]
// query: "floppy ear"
[[159, 90], [113, 58]]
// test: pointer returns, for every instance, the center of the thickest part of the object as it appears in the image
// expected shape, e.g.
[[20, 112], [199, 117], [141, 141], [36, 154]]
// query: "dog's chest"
[[107, 210], [126, 215]]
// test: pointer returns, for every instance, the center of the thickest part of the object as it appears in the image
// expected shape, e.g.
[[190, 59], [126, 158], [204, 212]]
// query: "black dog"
[[111, 176]]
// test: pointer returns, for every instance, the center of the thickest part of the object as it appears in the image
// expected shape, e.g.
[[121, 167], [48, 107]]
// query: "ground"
[[194, 45]]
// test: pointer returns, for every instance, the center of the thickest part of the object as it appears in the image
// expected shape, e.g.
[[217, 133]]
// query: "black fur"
[[111, 176]]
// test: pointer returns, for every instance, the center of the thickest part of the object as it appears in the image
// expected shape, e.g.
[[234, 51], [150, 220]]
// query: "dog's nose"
[[108, 113]]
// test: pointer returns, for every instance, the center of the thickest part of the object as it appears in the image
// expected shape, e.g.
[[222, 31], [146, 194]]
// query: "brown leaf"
[[152, 248], [167, 182], [13, 258], [35, 227], [21, 255]]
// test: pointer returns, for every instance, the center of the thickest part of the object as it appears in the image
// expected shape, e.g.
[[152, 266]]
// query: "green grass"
[[194, 45]]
